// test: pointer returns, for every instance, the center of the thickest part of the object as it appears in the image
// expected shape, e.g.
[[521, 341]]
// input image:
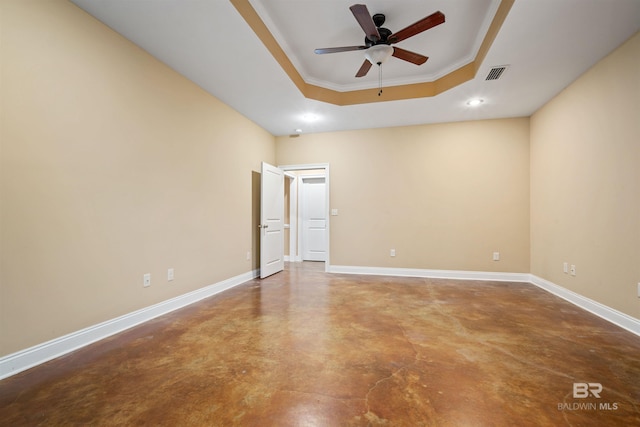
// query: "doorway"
[[307, 225]]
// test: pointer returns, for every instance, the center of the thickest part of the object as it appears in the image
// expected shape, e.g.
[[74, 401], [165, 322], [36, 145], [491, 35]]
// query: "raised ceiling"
[[546, 44], [462, 42], [449, 46]]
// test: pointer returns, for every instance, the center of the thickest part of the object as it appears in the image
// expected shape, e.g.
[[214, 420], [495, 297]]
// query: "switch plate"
[[573, 270], [565, 267], [146, 280], [638, 289], [248, 255], [170, 274], [392, 252], [334, 212], [496, 256]]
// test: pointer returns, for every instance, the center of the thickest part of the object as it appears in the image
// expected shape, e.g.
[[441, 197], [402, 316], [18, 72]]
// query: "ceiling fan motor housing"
[[384, 36]]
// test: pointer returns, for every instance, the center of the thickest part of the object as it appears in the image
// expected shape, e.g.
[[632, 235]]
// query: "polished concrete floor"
[[305, 348]]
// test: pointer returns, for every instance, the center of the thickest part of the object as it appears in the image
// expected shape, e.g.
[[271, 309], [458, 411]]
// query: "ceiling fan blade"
[[406, 55], [338, 49], [417, 27], [362, 15], [364, 69]]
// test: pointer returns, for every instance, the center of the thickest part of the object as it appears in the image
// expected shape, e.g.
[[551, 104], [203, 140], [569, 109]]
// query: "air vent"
[[496, 72]]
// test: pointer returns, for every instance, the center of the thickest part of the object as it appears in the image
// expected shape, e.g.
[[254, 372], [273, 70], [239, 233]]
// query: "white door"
[[271, 220], [314, 220]]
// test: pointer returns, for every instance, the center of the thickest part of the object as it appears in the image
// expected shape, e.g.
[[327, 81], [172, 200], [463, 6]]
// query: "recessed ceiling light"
[[310, 117], [475, 102]]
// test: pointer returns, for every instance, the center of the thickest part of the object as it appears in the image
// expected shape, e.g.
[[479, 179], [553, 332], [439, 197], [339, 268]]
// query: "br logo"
[[582, 390]]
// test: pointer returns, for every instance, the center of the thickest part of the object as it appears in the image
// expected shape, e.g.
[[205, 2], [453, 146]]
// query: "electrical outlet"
[[565, 267], [248, 255], [146, 280], [638, 289], [392, 252], [496, 256], [573, 270], [170, 275]]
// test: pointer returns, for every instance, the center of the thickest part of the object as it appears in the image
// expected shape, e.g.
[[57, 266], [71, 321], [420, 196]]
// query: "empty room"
[[320, 213]]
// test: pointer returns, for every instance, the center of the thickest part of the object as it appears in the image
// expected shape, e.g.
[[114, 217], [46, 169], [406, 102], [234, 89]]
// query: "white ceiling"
[[546, 43]]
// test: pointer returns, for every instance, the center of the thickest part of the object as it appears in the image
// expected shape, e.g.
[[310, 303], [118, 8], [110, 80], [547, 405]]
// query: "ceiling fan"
[[378, 40]]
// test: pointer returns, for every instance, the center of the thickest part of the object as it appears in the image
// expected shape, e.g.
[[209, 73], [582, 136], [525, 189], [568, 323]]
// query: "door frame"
[[325, 167], [293, 215]]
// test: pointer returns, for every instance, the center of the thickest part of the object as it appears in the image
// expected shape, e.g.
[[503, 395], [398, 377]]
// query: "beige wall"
[[585, 183], [444, 196], [112, 166]]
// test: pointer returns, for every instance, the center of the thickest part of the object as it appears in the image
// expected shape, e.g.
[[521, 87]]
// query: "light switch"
[[334, 212]]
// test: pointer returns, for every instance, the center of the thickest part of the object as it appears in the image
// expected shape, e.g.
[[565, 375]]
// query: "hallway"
[[307, 348]]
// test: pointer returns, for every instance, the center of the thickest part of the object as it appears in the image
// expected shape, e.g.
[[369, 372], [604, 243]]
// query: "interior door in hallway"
[[271, 220], [314, 220]]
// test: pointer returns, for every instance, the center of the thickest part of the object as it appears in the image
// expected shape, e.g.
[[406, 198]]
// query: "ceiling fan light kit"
[[378, 40], [379, 53]]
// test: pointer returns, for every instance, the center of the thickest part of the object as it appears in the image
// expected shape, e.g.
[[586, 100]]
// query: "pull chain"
[[380, 78]]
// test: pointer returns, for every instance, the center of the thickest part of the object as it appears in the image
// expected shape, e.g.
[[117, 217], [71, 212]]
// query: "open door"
[[271, 220]]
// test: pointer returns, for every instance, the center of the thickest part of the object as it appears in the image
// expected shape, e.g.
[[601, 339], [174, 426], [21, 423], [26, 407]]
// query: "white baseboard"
[[433, 274], [33, 356], [616, 317], [28, 358]]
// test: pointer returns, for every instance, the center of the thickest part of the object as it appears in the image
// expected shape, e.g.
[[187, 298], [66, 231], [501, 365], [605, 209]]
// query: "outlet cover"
[[170, 274], [573, 270], [496, 256], [392, 252], [146, 280]]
